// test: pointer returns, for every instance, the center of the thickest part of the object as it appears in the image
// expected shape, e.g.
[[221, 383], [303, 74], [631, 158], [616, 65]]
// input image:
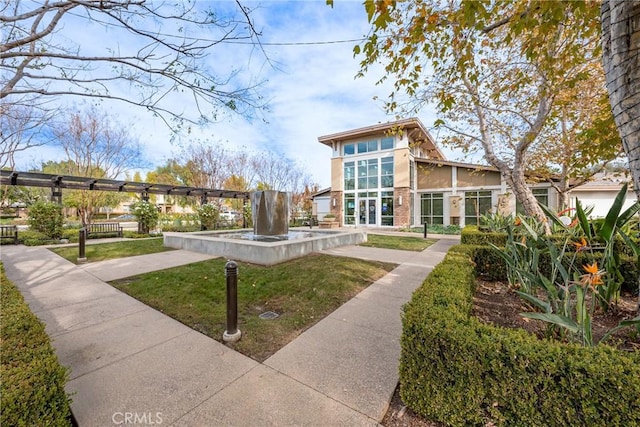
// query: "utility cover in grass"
[[268, 315]]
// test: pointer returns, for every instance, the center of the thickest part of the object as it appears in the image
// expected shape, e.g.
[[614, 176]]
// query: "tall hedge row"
[[461, 372], [31, 379]]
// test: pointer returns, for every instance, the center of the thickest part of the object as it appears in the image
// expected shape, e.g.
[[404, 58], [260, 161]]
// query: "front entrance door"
[[368, 214]]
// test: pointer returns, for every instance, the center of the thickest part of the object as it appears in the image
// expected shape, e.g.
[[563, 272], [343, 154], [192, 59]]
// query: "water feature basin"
[[243, 245]]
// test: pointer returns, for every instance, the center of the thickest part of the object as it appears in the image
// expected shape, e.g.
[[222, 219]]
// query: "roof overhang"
[[413, 127], [436, 162]]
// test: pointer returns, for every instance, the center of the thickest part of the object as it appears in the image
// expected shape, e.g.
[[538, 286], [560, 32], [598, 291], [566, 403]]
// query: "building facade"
[[394, 175]]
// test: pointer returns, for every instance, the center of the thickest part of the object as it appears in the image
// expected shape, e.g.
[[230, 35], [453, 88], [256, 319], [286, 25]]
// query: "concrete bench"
[[9, 232], [104, 228]]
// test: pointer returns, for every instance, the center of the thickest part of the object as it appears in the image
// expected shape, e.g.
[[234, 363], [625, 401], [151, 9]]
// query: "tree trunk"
[[516, 180], [621, 61]]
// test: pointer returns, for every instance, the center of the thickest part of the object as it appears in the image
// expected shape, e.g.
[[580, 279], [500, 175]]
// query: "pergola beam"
[[36, 179]]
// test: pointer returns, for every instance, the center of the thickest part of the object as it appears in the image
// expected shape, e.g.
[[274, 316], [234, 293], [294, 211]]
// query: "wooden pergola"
[[59, 182]]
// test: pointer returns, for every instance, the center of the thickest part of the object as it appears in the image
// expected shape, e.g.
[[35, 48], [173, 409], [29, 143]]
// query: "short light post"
[[82, 238], [232, 334], [425, 230]]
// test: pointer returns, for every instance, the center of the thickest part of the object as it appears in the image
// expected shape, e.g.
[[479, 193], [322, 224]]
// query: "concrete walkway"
[[129, 360]]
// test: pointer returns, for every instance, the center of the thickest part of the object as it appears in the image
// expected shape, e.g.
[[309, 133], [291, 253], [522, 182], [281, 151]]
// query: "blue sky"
[[312, 89]]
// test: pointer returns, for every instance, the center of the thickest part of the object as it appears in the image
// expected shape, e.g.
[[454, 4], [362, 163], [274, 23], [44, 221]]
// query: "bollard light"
[[82, 238], [232, 334]]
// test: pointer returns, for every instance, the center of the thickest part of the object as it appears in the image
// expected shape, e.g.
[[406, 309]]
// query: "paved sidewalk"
[[127, 358]]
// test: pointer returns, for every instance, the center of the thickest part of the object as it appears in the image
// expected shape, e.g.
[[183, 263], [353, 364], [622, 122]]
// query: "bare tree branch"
[[168, 55]]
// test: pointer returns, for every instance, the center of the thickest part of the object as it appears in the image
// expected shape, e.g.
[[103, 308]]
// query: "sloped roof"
[[414, 128]]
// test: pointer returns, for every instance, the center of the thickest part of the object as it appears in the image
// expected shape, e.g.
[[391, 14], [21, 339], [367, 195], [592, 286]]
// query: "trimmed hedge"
[[32, 381], [461, 372]]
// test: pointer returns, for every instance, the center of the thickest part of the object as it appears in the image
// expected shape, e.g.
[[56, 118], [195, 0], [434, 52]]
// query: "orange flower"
[[591, 268], [593, 277], [581, 245], [567, 210], [517, 221]]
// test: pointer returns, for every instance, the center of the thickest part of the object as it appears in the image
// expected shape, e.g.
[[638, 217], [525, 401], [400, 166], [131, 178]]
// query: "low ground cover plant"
[[31, 379]]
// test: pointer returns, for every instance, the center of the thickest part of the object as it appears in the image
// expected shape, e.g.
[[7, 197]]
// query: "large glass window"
[[476, 203], [349, 209], [349, 176], [386, 143], [386, 214], [386, 172], [541, 195], [368, 146], [432, 208], [367, 174]]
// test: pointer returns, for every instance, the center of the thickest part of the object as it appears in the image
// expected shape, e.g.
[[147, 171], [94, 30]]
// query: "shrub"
[[472, 236], [32, 386], [455, 370], [489, 264], [209, 216], [181, 228], [147, 216], [47, 218]]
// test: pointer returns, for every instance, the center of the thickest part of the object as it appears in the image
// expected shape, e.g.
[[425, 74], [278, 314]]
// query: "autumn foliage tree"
[[584, 135], [493, 70]]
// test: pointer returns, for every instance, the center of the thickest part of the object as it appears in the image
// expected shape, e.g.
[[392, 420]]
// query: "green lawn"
[[416, 244], [104, 251], [302, 291]]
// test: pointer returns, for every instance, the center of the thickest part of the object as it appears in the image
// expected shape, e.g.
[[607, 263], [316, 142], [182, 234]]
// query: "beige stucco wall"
[[433, 176], [401, 167], [337, 172], [475, 178]]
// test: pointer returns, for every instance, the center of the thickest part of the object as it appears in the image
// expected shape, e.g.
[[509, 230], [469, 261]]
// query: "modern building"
[[393, 174]]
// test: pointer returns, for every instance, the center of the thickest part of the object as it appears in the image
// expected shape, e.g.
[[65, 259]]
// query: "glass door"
[[373, 217], [367, 212], [362, 212]]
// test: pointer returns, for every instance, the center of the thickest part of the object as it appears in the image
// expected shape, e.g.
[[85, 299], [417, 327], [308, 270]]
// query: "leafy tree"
[[236, 183], [165, 56], [47, 218], [493, 69], [585, 135], [10, 194]]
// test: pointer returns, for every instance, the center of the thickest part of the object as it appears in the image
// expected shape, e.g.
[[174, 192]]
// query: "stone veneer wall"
[[337, 209], [401, 214]]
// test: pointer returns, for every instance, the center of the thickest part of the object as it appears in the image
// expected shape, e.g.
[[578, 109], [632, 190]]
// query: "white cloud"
[[312, 90]]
